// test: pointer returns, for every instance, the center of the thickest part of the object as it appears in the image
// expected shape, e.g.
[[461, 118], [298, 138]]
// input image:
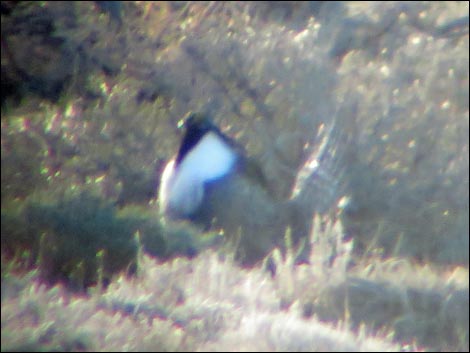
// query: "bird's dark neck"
[[191, 139]]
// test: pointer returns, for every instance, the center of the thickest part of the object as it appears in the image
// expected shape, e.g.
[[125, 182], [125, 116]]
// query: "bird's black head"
[[196, 125]]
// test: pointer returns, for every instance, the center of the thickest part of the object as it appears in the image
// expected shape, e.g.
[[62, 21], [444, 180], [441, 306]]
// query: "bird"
[[212, 183]]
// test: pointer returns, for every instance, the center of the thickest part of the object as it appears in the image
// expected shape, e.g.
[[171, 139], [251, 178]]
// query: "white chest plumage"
[[182, 185]]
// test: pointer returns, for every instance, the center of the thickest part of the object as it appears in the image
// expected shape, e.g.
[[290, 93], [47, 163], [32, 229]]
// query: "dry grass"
[[209, 303]]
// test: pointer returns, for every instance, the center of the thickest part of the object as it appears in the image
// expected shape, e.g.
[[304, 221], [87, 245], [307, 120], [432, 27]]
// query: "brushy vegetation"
[[91, 94]]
